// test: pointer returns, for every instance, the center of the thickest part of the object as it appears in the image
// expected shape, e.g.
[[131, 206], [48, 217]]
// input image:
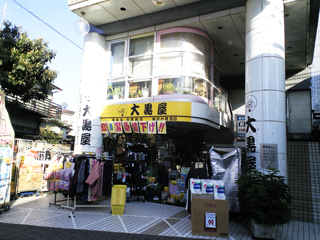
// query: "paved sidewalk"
[[34, 218], [18, 231]]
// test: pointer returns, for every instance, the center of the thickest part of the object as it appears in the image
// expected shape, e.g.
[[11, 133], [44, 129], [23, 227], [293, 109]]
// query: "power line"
[[46, 24]]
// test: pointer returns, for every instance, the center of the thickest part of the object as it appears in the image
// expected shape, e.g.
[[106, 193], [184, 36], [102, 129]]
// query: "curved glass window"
[[116, 90], [185, 53], [141, 57], [117, 59], [184, 85], [175, 61], [140, 88]]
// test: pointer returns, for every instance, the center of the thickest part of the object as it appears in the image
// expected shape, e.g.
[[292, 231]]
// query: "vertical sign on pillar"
[[79, 118], [86, 123], [252, 133], [265, 98]]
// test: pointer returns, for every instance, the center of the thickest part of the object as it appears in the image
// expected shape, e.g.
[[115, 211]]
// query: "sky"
[[54, 22]]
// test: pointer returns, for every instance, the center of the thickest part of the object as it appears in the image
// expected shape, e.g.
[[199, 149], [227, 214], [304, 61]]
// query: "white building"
[[196, 65]]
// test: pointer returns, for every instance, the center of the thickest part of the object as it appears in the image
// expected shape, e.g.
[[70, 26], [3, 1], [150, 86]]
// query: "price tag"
[[210, 220]]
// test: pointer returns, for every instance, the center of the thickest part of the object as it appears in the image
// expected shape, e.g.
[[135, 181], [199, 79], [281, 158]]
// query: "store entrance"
[[155, 167]]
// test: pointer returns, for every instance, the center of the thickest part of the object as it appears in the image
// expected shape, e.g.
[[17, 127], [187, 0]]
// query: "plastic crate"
[[117, 209], [118, 195]]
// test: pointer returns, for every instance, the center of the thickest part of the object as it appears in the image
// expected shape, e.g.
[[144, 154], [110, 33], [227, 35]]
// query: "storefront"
[[162, 84], [162, 70]]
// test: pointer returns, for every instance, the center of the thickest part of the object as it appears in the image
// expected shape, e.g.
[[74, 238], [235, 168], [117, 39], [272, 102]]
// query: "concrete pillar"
[[265, 86], [94, 65]]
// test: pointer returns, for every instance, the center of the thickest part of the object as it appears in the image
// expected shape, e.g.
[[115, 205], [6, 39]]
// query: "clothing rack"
[[75, 206], [55, 200], [93, 204]]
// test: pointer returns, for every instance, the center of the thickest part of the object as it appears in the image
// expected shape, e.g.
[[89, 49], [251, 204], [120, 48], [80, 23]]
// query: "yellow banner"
[[152, 127], [111, 127], [104, 127], [155, 111], [118, 126], [162, 127], [144, 127], [127, 127], [135, 126]]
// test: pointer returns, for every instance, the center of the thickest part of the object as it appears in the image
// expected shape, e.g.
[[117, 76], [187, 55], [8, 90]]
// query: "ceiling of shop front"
[[223, 20]]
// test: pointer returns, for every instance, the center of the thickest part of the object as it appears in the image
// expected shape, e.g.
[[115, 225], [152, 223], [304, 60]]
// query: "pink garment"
[[94, 174], [95, 188], [92, 164]]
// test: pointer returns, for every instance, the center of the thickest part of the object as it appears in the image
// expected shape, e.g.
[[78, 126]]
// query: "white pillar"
[[94, 64], [265, 85]]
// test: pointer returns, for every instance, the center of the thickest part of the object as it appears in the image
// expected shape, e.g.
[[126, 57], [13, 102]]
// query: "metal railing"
[[45, 108]]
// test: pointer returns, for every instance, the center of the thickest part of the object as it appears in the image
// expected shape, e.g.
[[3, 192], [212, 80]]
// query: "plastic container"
[[118, 194], [117, 209], [118, 199]]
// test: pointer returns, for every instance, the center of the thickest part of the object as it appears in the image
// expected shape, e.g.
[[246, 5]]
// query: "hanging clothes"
[[93, 177], [81, 178], [94, 174], [73, 180], [100, 180]]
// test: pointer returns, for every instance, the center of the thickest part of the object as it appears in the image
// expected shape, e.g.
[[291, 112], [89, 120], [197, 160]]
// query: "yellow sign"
[[135, 126], [152, 127], [155, 111], [127, 127], [111, 127], [143, 125], [118, 126], [162, 127], [146, 127], [104, 127]]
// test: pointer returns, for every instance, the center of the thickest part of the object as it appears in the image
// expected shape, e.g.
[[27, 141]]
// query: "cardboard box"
[[23, 178], [202, 195], [210, 217], [29, 186], [120, 150], [23, 171]]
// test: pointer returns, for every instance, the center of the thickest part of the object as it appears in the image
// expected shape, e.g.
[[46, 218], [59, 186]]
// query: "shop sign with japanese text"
[[155, 111]]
